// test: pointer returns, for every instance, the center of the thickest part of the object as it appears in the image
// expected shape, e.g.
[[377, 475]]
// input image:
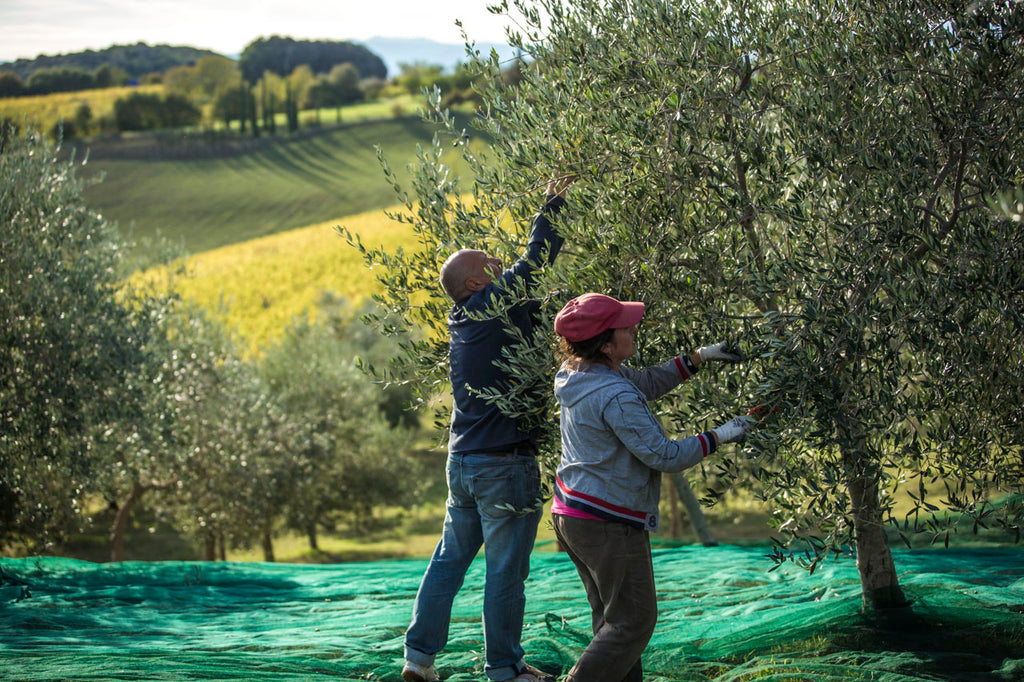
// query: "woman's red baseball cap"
[[586, 316]]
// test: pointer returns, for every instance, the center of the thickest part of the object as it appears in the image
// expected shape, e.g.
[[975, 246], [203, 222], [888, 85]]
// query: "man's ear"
[[474, 284]]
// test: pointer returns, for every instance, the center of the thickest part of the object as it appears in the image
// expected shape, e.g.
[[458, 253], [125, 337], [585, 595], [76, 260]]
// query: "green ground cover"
[[723, 617]]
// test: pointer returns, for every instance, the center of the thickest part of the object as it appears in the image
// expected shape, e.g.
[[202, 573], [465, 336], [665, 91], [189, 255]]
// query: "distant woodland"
[[132, 64], [277, 84], [135, 60]]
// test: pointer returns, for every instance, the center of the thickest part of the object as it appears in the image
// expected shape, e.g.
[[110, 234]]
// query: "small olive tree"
[[228, 445], [350, 434], [819, 182]]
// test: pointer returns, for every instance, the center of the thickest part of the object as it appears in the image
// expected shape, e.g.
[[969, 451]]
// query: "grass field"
[[206, 203], [392, 532], [392, 107]]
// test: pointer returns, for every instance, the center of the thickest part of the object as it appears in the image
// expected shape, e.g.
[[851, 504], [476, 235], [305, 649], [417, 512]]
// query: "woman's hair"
[[576, 353]]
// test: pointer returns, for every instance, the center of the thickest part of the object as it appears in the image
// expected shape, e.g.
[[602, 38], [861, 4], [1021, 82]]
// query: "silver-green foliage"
[[814, 180], [225, 448], [108, 392], [75, 350], [351, 449]]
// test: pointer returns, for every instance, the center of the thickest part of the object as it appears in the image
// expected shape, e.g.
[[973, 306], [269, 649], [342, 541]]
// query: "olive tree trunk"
[[879, 582], [268, 546], [693, 509], [210, 546], [124, 512], [673, 506]]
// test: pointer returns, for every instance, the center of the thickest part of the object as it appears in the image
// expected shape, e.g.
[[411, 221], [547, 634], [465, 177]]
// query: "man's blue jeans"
[[480, 488]]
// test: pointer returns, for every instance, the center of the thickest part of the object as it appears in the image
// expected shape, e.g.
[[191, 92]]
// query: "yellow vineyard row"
[[44, 111], [258, 287]]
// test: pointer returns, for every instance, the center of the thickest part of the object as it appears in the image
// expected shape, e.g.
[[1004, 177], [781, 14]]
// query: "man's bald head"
[[467, 271]]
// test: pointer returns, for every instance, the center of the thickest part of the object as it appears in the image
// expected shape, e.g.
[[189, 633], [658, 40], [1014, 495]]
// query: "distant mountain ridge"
[[396, 51]]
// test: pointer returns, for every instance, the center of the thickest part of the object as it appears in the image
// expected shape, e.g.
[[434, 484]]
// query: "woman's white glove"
[[734, 431], [720, 351]]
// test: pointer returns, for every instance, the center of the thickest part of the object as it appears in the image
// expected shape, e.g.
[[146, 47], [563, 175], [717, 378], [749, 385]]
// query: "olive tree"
[[817, 181], [352, 435], [229, 444], [142, 453], [199, 457], [77, 346]]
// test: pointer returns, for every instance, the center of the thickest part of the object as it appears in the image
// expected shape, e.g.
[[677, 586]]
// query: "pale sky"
[[29, 28]]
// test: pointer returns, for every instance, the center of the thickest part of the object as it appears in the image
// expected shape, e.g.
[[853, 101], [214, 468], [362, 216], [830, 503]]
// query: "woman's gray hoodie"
[[613, 447]]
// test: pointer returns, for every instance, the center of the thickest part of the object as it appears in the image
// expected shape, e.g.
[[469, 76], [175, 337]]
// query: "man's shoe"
[[531, 674], [418, 673]]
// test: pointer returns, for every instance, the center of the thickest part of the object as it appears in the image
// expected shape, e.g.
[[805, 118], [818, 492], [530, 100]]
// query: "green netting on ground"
[[724, 617]]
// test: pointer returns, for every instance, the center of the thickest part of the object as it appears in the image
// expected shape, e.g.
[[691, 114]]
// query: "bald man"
[[492, 463]]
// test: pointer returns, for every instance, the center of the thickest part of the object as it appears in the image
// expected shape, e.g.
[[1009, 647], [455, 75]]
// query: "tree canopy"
[[281, 55], [115, 396], [74, 356], [814, 181], [137, 60]]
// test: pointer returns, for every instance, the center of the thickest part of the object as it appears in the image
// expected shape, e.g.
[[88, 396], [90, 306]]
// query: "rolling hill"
[[259, 286], [212, 201]]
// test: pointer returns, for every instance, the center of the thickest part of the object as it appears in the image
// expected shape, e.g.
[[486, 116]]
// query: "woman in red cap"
[[608, 482]]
